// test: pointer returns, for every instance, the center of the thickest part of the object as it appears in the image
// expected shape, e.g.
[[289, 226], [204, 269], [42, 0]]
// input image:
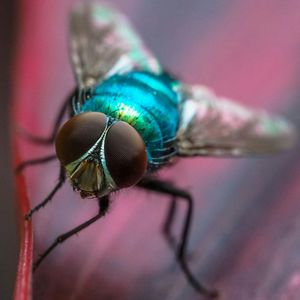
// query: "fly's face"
[[99, 154]]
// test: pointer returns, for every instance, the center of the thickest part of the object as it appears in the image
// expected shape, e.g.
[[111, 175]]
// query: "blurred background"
[[8, 226], [245, 236]]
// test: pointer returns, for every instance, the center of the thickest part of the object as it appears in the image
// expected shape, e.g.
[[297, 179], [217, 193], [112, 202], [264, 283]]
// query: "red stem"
[[23, 290]]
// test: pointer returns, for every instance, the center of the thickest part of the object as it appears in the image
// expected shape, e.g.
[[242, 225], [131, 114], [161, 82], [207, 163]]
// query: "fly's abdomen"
[[146, 101]]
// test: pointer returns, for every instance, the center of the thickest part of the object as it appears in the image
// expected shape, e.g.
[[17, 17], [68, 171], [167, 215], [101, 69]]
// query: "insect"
[[128, 118]]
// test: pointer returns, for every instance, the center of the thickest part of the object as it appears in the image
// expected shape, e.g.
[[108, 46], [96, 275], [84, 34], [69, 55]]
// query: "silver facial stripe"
[[92, 149], [110, 184]]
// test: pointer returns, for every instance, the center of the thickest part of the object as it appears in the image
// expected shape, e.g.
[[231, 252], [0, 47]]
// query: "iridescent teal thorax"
[[146, 101]]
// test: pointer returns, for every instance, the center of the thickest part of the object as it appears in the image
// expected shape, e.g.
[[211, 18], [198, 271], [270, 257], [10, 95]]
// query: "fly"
[[128, 117]]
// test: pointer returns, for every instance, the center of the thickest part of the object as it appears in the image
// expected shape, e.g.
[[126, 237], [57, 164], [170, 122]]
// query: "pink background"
[[245, 236]]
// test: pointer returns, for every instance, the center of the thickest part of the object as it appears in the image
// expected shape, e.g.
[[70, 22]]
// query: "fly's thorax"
[[148, 102], [100, 154]]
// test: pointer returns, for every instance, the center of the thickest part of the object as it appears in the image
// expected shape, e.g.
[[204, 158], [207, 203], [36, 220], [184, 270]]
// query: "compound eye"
[[125, 154], [78, 135]]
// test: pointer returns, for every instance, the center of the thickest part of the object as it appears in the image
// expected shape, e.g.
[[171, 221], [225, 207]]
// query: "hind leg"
[[180, 249], [167, 225]]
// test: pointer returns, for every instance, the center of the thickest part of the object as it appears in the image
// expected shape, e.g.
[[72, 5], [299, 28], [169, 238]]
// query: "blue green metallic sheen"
[[146, 101]]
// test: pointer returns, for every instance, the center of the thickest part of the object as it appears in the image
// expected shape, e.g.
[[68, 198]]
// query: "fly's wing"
[[103, 43], [213, 126]]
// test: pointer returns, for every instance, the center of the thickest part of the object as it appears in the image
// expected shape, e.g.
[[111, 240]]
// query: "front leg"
[[103, 204]]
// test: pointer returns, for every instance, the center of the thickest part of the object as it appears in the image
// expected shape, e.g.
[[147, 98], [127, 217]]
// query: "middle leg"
[[61, 180], [33, 162]]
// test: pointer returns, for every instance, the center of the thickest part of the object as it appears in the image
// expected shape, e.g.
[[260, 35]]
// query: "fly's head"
[[100, 155]]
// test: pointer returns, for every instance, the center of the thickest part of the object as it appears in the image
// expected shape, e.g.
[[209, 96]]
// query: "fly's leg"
[[33, 162], [169, 189], [47, 141], [61, 180], [166, 229], [103, 208]]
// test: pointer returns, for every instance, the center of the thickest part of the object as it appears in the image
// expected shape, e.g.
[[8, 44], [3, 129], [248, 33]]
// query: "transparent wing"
[[103, 43], [219, 127]]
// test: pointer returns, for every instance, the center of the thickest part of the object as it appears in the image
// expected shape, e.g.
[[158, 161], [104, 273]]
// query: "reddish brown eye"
[[125, 154], [78, 135]]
